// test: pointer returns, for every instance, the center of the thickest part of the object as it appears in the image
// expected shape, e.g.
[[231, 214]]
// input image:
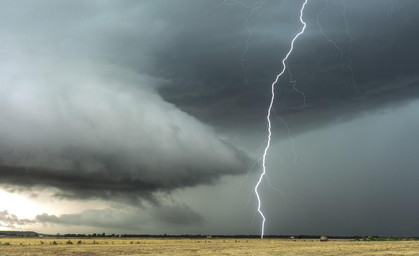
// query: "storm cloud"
[[73, 120], [378, 43], [157, 105], [127, 218]]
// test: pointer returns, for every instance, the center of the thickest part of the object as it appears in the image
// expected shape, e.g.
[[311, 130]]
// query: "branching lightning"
[[348, 56], [214, 8], [294, 85], [289, 136], [338, 47], [326, 4], [268, 117], [345, 55], [253, 8]]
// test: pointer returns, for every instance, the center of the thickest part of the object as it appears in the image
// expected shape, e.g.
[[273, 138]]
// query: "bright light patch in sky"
[[19, 205]]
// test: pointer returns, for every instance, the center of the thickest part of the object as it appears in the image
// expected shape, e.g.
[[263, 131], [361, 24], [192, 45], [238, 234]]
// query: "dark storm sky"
[[153, 107]]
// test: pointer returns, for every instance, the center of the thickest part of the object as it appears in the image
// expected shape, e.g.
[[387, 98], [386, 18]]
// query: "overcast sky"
[[150, 116]]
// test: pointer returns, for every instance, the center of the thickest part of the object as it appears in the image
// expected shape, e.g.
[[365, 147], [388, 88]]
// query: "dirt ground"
[[212, 246]]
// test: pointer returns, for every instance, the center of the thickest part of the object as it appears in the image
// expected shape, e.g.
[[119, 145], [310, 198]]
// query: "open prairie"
[[214, 246]]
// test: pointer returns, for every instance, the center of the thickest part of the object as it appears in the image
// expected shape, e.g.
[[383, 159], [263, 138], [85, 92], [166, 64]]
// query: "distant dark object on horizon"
[[19, 233]]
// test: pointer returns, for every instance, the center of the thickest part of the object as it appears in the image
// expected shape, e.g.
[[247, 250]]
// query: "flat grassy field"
[[213, 246]]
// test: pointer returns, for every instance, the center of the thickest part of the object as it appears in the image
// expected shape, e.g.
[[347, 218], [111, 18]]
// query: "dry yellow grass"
[[169, 246]]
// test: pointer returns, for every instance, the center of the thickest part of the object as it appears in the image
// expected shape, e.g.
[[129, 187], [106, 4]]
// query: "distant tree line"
[[199, 236]]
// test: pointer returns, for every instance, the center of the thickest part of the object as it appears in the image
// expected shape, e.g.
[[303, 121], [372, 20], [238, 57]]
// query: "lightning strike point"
[[268, 118]]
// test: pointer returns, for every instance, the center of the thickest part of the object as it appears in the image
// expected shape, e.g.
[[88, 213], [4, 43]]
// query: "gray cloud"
[[88, 133], [198, 53], [217, 90], [356, 178], [8, 220], [128, 218], [73, 119], [177, 215], [103, 101]]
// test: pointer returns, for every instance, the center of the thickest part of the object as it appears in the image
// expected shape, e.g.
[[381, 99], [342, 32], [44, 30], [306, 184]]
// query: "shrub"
[[79, 242], [69, 242]]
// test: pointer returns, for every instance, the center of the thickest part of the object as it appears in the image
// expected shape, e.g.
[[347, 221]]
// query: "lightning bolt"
[[326, 5], [348, 56], [268, 117], [289, 136], [253, 8], [214, 8], [339, 48], [294, 83]]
